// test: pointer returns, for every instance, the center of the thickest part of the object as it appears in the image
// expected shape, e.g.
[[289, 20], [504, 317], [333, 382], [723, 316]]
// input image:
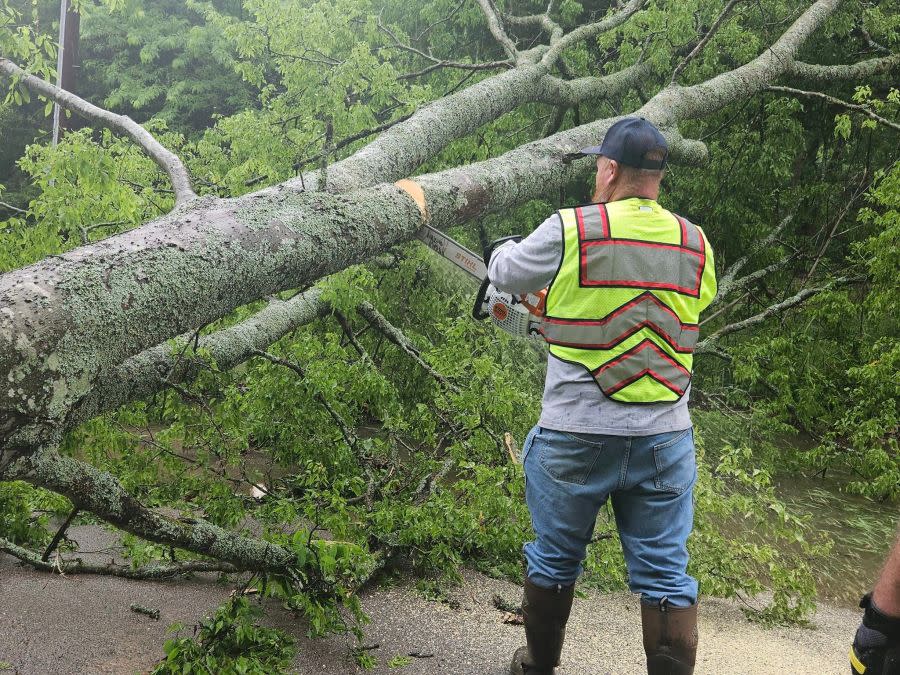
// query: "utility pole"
[[69, 31]]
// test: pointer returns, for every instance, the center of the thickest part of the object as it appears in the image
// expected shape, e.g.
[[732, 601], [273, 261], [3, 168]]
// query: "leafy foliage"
[[162, 60], [25, 513], [229, 642], [835, 377]]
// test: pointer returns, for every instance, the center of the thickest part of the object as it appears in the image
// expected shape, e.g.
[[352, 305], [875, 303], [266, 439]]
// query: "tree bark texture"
[[99, 492]]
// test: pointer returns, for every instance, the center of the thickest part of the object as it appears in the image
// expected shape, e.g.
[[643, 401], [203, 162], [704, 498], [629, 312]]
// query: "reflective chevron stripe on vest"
[[645, 311], [643, 359], [626, 299]]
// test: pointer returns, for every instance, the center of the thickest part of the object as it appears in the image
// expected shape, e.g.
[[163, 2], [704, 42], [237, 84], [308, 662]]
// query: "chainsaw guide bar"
[[456, 253], [516, 316]]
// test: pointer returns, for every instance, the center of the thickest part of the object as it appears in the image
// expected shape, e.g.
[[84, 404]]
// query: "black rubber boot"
[[670, 638], [546, 611], [876, 647]]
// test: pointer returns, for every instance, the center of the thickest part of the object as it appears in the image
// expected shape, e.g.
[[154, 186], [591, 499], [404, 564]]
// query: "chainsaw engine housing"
[[507, 313]]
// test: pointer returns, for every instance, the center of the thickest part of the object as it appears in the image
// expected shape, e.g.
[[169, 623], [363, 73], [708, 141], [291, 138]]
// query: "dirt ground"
[[82, 624]]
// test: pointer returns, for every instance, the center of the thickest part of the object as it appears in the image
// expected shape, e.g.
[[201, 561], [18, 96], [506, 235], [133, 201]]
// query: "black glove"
[[876, 648], [490, 248]]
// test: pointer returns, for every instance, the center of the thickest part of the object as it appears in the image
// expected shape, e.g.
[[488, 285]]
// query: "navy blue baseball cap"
[[628, 142]]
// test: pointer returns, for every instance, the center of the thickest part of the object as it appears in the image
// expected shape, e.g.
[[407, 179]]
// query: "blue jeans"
[[650, 480]]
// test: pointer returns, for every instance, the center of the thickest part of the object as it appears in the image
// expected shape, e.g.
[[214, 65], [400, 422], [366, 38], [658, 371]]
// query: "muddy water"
[[863, 531]]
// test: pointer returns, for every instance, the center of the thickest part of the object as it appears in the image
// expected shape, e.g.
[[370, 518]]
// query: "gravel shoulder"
[[82, 624]]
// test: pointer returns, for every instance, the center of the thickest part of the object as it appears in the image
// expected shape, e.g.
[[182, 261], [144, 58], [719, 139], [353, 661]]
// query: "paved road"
[[52, 625]]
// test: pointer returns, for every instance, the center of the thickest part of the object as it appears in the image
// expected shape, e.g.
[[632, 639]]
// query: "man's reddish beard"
[[595, 198]]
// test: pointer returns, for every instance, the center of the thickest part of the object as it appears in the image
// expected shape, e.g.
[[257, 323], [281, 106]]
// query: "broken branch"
[[836, 101], [164, 158], [78, 566]]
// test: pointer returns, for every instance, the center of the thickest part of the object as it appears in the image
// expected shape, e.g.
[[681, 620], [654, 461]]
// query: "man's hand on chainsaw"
[[520, 317], [497, 243]]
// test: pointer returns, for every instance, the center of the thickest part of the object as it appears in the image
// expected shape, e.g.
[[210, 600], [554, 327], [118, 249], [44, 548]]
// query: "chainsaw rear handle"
[[481, 296]]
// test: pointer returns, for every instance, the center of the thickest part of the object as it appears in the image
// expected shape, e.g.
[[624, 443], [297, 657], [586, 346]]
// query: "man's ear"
[[614, 169]]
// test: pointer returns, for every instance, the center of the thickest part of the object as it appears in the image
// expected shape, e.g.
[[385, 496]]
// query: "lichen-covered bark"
[[148, 372], [69, 320], [572, 92], [100, 493], [850, 72]]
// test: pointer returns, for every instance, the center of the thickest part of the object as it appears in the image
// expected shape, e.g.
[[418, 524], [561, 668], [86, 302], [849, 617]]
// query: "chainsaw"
[[519, 316]]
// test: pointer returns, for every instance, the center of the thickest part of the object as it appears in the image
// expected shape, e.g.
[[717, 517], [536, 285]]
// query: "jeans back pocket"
[[567, 457], [676, 464]]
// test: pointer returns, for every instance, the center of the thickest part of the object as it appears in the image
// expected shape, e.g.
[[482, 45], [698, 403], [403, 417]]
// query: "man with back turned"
[[626, 282]]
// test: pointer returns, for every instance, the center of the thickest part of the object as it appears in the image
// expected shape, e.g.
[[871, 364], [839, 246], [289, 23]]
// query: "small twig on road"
[[146, 611]]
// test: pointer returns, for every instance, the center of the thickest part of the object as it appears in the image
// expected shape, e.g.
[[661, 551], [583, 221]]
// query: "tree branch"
[[346, 432], [707, 97], [399, 151], [727, 280], [555, 121], [165, 159], [146, 373], [836, 101], [14, 209], [749, 279], [78, 566], [724, 309], [588, 31], [852, 71], [336, 147], [542, 21], [706, 38], [437, 23], [437, 64], [102, 494], [60, 533], [860, 190], [707, 343], [396, 336], [495, 25], [556, 91], [870, 42], [435, 61]]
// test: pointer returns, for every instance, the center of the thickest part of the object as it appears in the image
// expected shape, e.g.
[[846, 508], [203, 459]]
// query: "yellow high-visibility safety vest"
[[627, 297]]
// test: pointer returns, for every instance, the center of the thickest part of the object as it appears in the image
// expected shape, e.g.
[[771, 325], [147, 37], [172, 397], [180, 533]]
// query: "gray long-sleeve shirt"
[[572, 400]]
